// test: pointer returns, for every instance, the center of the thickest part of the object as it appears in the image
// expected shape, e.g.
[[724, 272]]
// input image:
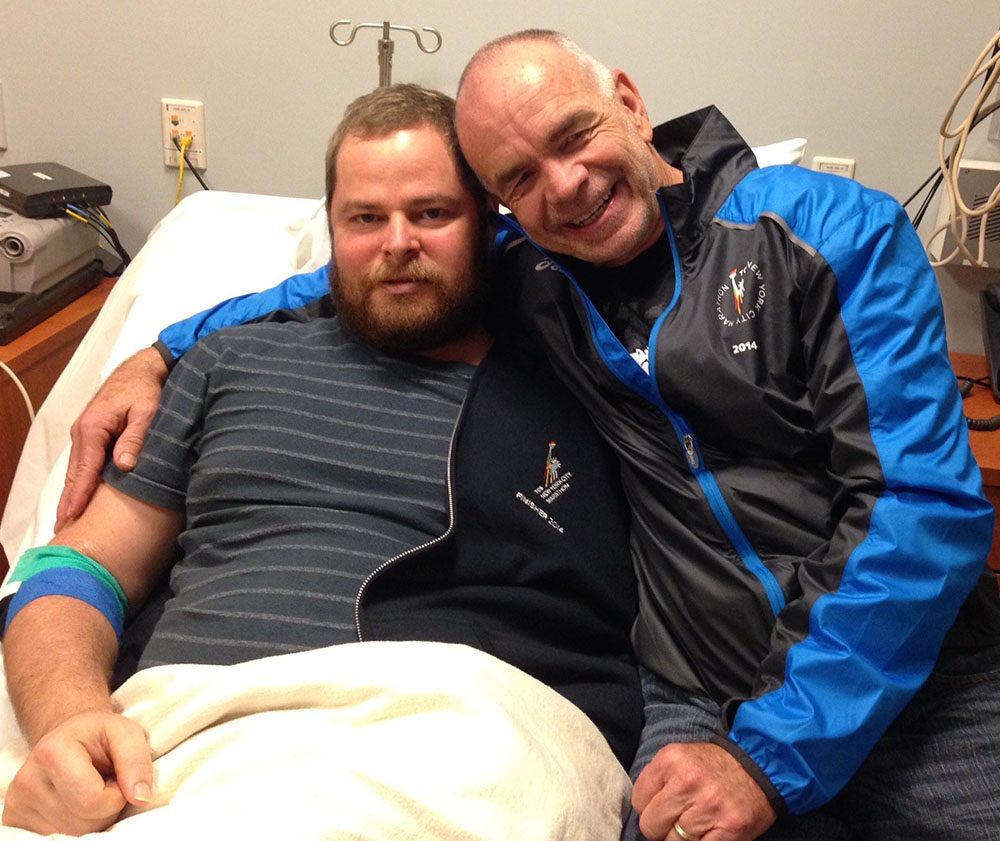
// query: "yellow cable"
[[78, 217], [185, 143]]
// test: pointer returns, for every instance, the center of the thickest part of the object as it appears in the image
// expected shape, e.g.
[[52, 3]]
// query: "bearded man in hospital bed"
[[291, 460]]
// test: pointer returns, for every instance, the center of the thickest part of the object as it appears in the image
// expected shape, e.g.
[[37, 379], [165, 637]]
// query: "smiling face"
[[408, 246], [572, 159]]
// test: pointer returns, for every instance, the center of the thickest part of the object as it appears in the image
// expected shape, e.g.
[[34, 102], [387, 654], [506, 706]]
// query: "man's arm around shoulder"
[[123, 408]]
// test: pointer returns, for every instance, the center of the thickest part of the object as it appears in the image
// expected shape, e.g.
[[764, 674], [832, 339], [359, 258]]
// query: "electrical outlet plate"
[[837, 166], [177, 118]]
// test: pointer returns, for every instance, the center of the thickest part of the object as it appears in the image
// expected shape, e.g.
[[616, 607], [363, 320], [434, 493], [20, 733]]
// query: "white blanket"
[[372, 741]]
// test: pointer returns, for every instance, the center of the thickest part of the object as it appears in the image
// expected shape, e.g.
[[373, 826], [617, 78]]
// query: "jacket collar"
[[713, 157]]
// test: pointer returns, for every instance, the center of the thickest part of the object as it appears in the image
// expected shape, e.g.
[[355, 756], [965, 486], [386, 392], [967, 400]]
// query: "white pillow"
[[312, 245], [782, 152]]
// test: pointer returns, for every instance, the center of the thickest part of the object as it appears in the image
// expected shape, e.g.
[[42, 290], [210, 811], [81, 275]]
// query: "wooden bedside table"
[[38, 358], [985, 445]]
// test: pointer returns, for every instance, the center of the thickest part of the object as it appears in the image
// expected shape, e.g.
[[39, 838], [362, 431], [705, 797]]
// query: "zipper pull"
[[691, 452]]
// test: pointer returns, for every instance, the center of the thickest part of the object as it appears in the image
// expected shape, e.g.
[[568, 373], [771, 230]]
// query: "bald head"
[[565, 143], [526, 42]]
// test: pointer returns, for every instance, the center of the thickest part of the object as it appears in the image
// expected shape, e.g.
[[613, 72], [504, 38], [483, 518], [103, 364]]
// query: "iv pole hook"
[[385, 44]]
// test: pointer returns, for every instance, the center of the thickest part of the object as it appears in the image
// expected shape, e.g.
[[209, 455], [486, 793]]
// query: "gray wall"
[[867, 79]]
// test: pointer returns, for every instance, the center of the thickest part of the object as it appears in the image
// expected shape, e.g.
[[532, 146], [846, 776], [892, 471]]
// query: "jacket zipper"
[[413, 550], [646, 388], [689, 450]]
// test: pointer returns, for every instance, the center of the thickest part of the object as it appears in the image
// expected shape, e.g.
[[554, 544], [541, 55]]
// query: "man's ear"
[[629, 96]]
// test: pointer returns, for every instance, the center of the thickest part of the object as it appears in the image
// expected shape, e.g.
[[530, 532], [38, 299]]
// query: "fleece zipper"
[[413, 550]]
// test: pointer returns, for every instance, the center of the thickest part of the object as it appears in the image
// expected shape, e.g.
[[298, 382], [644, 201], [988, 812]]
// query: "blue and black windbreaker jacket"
[[808, 517]]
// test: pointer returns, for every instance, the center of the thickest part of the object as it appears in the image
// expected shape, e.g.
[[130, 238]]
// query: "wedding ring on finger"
[[684, 835]]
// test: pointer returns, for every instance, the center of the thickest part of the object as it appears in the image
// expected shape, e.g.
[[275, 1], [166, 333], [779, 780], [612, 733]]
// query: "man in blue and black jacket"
[[765, 350]]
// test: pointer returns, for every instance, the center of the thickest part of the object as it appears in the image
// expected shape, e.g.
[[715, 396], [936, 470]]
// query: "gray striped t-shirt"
[[303, 460]]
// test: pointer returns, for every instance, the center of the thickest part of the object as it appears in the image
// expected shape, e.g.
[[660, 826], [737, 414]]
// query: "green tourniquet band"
[[43, 558]]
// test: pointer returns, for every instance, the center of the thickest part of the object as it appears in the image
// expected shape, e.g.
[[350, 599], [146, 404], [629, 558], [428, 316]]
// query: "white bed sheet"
[[374, 741]]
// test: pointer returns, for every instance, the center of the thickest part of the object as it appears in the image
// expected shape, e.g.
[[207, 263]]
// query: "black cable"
[[122, 253], [105, 236], [925, 204], [106, 230], [966, 384], [984, 424], [187, 160], [937, 172], [984, 113], [993, 55], [99, 228], [918, 217]]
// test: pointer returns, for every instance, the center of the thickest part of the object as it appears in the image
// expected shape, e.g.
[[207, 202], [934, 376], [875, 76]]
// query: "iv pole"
[[385, 44]]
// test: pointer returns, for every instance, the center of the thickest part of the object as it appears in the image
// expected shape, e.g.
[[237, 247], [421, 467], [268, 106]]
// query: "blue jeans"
[[934, 774]]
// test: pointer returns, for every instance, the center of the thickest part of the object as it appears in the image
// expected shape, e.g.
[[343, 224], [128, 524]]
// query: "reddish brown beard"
[[406, 326]]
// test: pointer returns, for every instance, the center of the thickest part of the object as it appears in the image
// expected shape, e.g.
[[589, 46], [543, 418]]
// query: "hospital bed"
[[215, 245]]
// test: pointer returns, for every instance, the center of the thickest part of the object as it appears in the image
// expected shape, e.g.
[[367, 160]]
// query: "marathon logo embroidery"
[[541, 512], [552, 465], [741, 299], [738, 287], [554, 484]]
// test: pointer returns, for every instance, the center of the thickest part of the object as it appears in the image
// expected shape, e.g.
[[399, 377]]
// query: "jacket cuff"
[[168, 358], [753, 769]]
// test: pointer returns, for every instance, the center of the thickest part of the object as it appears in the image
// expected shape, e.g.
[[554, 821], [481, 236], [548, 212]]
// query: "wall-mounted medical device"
[[969, 213], [977, 182]]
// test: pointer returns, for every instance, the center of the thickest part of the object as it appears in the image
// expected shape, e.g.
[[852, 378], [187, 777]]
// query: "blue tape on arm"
[[73, 583]]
